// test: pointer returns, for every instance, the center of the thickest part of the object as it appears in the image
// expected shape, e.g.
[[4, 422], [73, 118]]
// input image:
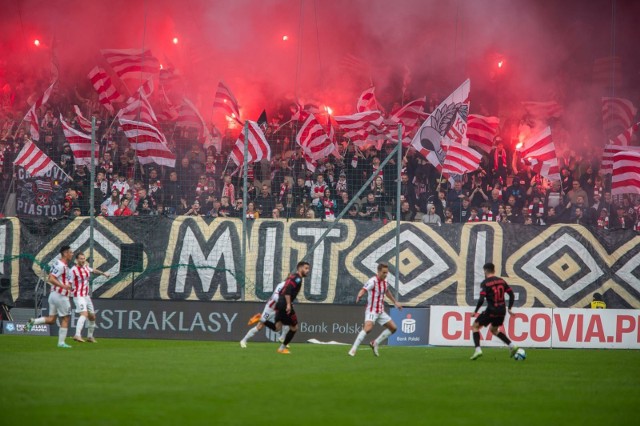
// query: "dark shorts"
[[496, 319], [286, 319]]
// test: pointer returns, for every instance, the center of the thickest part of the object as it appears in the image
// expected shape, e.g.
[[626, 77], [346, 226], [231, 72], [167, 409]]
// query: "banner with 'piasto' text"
[[189, 258]]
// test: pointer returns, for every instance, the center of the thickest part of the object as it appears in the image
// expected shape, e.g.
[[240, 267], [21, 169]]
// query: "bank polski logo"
[[408, 325]]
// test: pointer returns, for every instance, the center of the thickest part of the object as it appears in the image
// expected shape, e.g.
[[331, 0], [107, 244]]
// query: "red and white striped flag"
[[447, 123], [606, 166], [543, 110], [541, 151], [84, 124], [482, 130], [624, 138], [32, 117], [189, 116], [225, 101], [359, 121], [617, 115], [258, 148], [367, 101], [314, 140], [107, 92], [148, 142], [460, 159], [138, 108], [134, 64], [411, 114], [33, 160], [80, 144], [626, 173]]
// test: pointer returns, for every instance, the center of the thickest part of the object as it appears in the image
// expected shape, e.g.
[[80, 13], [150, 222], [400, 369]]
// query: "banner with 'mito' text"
[[541, 328]]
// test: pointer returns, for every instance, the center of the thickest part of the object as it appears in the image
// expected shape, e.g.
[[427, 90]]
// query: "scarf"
[[328, 209], [487, 217], [637, 227], [354, 161], [540, 208], [496, 159], [474, 219], [604, 223]]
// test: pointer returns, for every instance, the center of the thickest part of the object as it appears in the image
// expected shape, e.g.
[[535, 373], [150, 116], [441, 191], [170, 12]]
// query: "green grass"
[[136, 382]]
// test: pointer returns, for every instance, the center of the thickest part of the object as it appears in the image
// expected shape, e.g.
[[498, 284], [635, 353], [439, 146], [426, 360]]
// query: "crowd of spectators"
[[205, 183]]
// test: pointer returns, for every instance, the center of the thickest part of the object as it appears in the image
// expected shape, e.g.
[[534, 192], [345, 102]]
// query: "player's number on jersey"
[[498, 293]]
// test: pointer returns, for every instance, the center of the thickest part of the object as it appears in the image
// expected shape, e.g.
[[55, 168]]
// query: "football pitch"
[[139, 382]]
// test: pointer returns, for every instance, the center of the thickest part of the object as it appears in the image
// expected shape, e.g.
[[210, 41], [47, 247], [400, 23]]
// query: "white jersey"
[[61, 272], [376, 290], [271, 303]]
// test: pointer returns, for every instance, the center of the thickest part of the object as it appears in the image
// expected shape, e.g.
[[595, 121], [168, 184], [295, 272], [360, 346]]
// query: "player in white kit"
[[377, 288], [59, 304], [79, 279], [265, 319]]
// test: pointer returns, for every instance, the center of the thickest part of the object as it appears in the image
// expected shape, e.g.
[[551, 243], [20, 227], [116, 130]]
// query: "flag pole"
[[244, 206], [92, 190], [398, 211]]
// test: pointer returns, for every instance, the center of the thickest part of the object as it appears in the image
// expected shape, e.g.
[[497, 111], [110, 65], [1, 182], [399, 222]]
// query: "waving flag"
[[33, 160], [541, 151], [411, 114], [624, 138], [258, 148], [626, 173], [225, 101], [367, 101], [314, 140], [617, 114], [148, 142], [32, 118], [447, 123], [80, 144], [482, 130], [134, 64], [84, 124], [461, 159], [102, 84], [138, 108], [189, 116], [606, 165]]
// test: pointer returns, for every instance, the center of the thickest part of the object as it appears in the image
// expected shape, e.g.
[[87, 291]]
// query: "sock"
[[252, 332], [383, 336], [504, 338], [80, 324], [91, 325], [359, 340], [270, 325], [476, 338], [62, 334], [285, 329], [39, 321], [288, 338]]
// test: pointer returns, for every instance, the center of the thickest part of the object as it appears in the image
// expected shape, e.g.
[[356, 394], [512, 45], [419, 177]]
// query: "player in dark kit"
[[285, 315], [493, 289]]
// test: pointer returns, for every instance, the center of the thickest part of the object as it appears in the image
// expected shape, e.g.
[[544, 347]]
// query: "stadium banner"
[[413, 327], [40, 195], [220, 321], [187, 258], [542, 328], [19, 328]]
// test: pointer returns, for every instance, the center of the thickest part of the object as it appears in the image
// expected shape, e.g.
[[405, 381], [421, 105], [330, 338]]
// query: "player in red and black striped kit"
[[493, 289], [285, 315]]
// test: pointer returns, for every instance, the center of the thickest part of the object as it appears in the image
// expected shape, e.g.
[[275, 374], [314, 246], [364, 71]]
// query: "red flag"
[[606, 166], [80, 144], [460, 159], [189, 116], [148, 142], [132, 63], [32, 118], [617, 114], [138, 108], [258, 148], [540, 147], [626, 173], [225, 101], [107, 92], [411, 114], [314, 140], [482, 130], [34, 161]]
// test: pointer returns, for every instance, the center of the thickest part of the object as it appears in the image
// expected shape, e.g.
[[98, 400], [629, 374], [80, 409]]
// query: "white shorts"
[[83, 303], [59, 305], [268, 314], [382, 318]]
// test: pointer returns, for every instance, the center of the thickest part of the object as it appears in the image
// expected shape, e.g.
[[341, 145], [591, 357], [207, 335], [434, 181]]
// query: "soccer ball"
[[520, 355]]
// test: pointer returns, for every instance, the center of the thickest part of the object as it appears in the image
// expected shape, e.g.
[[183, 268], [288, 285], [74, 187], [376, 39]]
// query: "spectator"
[[431, 217], [370, 210], [194, 210], [265, 202], [228, 190], [517, 191], [317, 189], [461, 214], [328, 205], [124, 209], [111, 204], [603, 219], [455, 196], [406, 213], [473, 215], [300, 192], [576, 192]]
